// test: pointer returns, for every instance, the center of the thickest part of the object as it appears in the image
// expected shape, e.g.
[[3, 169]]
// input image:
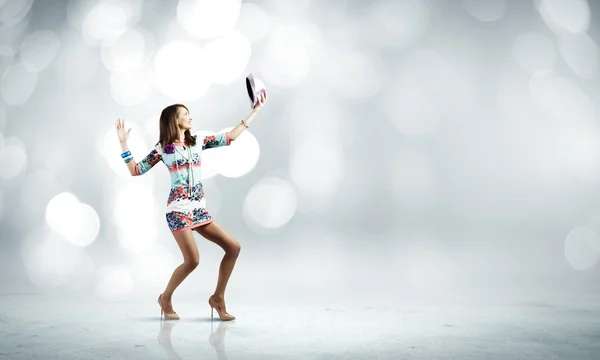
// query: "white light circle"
[[237, 159], [208, 19], [132, 87], [582, 248], [13, 11], [572, 16], [582, 159], [182, 71], [127, 52], [58, 206], [18, 84], [581, 53], [13, 158], [82, 61], [106, 21], [84, 226], [485, 10], [534, 52], [38, 50], [78, 223], [254, 22], [88, 15], [229, 56], [285, 65], [403, 22], [271, 203], [290, 48]]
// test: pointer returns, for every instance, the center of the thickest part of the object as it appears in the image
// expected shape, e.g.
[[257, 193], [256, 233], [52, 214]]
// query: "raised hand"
[[262, 99], [121, 133]]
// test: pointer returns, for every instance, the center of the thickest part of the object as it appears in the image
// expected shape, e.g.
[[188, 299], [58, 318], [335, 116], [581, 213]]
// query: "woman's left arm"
[[236, 131]]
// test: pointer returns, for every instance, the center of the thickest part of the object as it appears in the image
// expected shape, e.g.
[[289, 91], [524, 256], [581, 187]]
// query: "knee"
[[234, 250], [191, 264]]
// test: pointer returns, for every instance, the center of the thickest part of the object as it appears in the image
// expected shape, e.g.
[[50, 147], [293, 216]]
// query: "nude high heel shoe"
[[172, 316], [221, 311]]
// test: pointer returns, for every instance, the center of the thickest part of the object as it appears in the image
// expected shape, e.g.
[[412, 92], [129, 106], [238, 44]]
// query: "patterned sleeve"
[[215, 141], [149, 161]]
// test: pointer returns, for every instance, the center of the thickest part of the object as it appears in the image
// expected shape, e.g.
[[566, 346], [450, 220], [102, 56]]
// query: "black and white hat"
[[255, 87]]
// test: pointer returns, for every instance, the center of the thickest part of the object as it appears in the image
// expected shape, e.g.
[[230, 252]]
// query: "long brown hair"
[[168, 127]]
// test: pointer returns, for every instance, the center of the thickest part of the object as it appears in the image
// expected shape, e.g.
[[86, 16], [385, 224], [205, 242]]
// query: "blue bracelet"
[[128, 159], [126, 154]]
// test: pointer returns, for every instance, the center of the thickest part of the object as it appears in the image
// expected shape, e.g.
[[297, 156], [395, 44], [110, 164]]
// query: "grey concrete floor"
[[48, 327]]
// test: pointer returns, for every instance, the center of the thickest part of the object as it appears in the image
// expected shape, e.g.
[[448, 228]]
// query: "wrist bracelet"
[[243, 122], [126, 154], [128, 159]]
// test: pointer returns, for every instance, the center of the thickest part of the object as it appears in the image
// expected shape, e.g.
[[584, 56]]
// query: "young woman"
[[186, 207]]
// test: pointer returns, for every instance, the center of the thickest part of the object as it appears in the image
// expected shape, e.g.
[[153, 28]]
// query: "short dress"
[[186, 205]]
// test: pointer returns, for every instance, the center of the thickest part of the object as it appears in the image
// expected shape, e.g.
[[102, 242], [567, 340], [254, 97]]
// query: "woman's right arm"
[[135, 168]]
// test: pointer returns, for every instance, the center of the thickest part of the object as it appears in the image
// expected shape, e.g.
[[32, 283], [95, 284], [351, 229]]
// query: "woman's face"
[[184, 119]]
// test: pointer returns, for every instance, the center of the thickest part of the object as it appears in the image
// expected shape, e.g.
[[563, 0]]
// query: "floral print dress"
[[186, 205]]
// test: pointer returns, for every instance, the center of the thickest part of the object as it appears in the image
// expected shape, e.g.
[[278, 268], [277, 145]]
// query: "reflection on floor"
[[216, 338], [43, 327]]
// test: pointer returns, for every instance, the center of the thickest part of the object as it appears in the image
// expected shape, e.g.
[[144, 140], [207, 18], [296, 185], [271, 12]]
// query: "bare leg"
[[191, 258], [215, 233]]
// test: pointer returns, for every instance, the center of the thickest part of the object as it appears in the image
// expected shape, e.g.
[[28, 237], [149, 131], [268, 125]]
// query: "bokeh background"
[[409, 148]]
